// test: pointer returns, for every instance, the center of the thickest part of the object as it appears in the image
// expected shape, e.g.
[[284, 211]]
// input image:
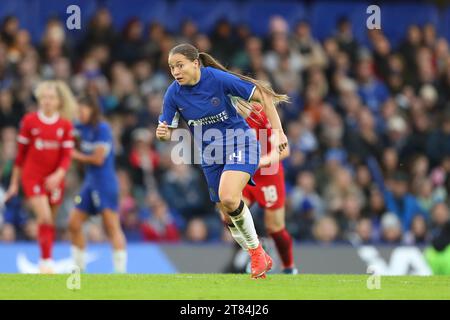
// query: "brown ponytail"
[[96, 111], [191, 53], [208, 61]]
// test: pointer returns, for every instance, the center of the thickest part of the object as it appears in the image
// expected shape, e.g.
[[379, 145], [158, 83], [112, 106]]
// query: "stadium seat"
[[395, 20], [47, 9], [35, 23], [325, 14], [205, 13], [146, 11], [20, 9], [256, 14], [444, 25]]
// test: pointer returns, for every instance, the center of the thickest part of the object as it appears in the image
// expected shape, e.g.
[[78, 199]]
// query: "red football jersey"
[[269, 191], [45, 143]]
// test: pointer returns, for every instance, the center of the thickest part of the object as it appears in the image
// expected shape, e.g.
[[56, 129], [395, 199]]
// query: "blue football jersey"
[[208, 104], [91, 137]]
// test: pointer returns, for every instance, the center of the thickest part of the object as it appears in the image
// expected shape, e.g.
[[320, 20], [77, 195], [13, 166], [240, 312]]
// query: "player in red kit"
[[45, 143], [269, 191]]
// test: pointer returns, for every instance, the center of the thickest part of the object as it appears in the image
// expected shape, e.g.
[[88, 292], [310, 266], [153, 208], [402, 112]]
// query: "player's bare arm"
[[269, 108], [13, 188], [96, 158], [274, 155]]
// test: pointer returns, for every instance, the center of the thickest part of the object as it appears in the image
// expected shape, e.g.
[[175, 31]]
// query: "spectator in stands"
[[158, 221], [54, 43], [364, 141], [305, 205], [305, 190], [196, 231], [9, 29], [279, 49], [438, 144], [424, 194], [188, 31], [223, 45], [100, 30], [344, 38], [363, 234], [401, 202], [129, 48], [181, 187], [372, 91], [389, 162], [311, 51], [326, 230], [128, 206], [408, 49], [339, 189], [143, 159], [439, 217], [391, 229], [10, 111], [418, 235], [416, 141]]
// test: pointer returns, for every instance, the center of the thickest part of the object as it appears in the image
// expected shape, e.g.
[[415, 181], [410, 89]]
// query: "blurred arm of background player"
[[274, 155], [96, 158], [244, 108]]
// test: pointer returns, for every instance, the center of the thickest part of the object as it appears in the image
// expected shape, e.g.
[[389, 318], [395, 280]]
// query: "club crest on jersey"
[[35, 131], [60, 132], [215, 101], [36, 189]]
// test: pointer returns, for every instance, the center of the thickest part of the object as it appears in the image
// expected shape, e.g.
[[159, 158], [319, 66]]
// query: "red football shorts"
[[269, 191], [35, 186]]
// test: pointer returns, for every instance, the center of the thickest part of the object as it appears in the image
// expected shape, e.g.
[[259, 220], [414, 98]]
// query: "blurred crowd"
[[368, 126]]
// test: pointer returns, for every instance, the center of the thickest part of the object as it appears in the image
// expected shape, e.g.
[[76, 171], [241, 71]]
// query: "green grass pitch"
[[222, 287]]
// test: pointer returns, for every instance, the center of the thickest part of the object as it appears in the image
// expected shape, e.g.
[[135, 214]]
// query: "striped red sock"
[[46, 236], [283, 242]]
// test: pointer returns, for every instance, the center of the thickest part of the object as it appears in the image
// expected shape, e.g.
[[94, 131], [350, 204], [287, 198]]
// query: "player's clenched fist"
[[163, 131]]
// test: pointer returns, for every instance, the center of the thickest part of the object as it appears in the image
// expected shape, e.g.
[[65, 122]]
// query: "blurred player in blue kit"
[[99, 192]]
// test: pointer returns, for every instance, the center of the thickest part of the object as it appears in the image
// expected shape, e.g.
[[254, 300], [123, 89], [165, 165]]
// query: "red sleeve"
[[155, 158], [134, 159], [67, 147], [148, 233], [23, 141], [172, 233]]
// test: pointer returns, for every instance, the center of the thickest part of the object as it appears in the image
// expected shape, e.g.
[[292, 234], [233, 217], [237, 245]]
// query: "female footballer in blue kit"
[[201, 95], [99, 193]]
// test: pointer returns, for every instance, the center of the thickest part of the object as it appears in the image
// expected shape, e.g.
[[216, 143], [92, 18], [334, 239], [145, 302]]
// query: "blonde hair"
[[68, 104], [191, 53]]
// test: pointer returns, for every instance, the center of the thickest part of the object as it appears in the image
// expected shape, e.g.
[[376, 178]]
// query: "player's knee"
[[112, 230], [274, 225], [112, 227], [229, 202], [75, 225], [274, 228]]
